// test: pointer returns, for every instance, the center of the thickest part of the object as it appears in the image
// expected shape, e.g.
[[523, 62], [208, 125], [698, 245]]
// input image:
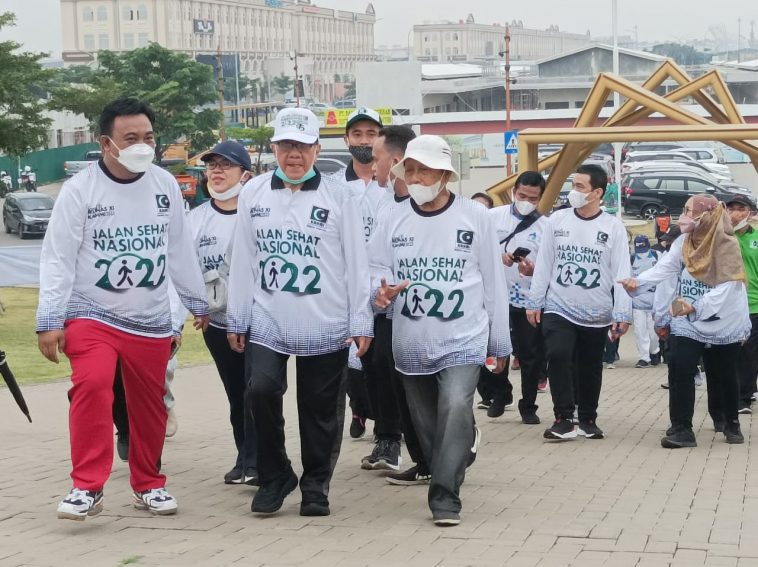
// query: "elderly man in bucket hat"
[[450, 312]]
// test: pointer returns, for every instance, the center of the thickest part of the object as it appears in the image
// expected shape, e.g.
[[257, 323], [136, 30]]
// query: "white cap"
[[297, 124], [363, 113], [432, 151]]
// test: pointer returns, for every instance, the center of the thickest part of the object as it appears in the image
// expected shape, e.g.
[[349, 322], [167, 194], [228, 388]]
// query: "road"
[[35, 240]]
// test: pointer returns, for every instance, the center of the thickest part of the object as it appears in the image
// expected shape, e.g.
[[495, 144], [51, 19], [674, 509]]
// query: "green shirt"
[[749, 246]]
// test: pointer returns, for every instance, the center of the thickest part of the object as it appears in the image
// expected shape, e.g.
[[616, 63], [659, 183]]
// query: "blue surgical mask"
[[283, 176]]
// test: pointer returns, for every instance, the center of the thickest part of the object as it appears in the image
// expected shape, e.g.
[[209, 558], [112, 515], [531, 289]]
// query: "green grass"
[[130, 560], [19, 341]]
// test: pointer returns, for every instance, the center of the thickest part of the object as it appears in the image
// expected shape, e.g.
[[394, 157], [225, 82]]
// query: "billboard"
[[338, 116], [203, 27]]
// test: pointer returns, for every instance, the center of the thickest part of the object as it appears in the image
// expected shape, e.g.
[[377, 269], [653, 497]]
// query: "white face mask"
[[423, 194], [524, 208], [136, 158], [230, 193], [740, 225], [577, 199]]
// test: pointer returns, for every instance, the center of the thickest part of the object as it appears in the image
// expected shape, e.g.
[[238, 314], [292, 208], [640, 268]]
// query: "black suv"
[[650, 194], [27, 213]]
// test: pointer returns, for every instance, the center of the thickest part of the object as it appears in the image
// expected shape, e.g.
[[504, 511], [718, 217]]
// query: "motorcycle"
[[27, 180], [6, 184]]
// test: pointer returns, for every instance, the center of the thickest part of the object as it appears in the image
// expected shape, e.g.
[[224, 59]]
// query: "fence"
[[48, 164]]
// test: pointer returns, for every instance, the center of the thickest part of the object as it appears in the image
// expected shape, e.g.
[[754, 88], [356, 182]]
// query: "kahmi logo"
[[464, 239], [163, 203], [602, 237], [319, 215]]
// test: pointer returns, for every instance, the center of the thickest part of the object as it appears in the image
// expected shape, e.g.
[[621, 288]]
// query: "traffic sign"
[[511, 142]]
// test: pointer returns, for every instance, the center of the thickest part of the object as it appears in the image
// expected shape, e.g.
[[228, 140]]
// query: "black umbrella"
[[13, 386]]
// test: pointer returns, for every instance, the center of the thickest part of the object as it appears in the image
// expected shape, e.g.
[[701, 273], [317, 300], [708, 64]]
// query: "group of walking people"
[[420, 291]]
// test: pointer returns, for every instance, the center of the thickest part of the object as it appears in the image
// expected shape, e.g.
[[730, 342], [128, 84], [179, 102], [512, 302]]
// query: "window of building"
[[143, 39], [455, 37], [89, 42], [88, 14], [127, 14], [556, 105], [128, 41], [102, 41], [142, 12], [102, 14]]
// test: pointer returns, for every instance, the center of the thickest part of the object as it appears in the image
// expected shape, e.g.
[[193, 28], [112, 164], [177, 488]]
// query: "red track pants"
[[93, 349]]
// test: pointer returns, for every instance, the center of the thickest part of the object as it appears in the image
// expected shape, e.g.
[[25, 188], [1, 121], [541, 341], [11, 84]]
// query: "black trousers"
[[570, 349], [748, 364], [379, 366], [720, 363], [319, 386], [357, 391], [231, 369]]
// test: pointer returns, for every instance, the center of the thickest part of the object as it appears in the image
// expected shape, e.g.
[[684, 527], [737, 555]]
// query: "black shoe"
[[745, 409], [410, 477], [385, 456], [475, 446], [234, 476], [561, 430], [497, 408], [530, 419], [251, 476], [314, 504], [718, 426], [357, 427], [484, 404], [590, 430], [271, 495], [665, 385], [655, 359], [679, 438], [122, 446], [444, 518], [642, 364], [733, 434]]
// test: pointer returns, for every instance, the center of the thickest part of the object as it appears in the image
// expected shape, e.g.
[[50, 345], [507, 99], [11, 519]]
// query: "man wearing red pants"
[[116, 236]]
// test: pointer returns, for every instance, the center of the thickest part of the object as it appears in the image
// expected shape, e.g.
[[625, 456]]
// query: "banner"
[[20, 265]]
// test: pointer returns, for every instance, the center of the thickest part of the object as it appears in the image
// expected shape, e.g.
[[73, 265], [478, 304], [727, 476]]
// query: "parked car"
[[647, 166], [648, 195], [673, 156], [651, 146], [710, 157], [330, 162], [345, 103], [736, 188], [27, 213], [74, 167]]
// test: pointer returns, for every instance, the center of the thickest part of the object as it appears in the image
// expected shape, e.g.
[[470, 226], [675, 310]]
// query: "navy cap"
[[742, 199], [233, 151]]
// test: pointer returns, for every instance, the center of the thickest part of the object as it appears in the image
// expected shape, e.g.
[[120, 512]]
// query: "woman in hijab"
[[710, 316]]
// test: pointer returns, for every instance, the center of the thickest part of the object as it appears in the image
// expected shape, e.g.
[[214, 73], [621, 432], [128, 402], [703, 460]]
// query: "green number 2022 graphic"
[[279, 274], [128, 271]]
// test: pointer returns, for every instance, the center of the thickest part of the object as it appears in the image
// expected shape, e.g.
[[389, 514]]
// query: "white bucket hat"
[[432, 151]]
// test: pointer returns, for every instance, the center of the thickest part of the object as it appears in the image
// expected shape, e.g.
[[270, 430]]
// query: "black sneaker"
[[475, 446], [122, 446], [718, 426], [271, 495], [590, 430], [530, 419], [251, 476], [745, 409], [561, 430], [389, 457], [357, 427], [665, 385], [497, 408], [655, 359], [484, 404], [234, 476], [369, 461], [314, 504], [444, 518], [733, 434], [409, 477], [80, 503], [642, 364], [679, 438]]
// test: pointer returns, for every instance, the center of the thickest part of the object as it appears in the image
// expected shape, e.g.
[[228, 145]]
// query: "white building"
[[467, 40], [263, 33]]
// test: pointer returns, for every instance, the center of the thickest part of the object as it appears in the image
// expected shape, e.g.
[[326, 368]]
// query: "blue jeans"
[[441, 407]]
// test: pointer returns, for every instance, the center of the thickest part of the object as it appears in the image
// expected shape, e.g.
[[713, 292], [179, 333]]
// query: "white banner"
[[19, 265]]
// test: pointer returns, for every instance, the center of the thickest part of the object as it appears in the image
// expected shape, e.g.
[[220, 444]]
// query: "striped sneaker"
[[156, 500], [80, 503]]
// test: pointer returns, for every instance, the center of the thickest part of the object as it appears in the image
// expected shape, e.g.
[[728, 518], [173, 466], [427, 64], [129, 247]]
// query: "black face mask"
[[363, 154]]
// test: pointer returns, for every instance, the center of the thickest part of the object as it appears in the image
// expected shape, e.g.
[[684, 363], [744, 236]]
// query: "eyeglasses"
[[288, 146], [222, 164]]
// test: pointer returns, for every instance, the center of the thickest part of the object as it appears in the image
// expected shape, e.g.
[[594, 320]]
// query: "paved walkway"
[[619, 501]]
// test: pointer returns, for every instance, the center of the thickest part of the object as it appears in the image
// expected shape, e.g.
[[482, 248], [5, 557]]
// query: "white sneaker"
[[156, 500], [610, 366], [171, 423], [80, 503]]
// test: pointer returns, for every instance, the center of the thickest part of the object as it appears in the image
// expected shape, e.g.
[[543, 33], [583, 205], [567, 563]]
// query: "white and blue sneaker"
[[155, 500], [80, 503]]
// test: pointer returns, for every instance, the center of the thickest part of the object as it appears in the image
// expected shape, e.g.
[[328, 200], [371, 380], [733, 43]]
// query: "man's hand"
[[630, 285], [618, 329], [362, 343], [176, 342], [500, 365], [684, 308], [508, 259], [51, 343], [534, 316], [526, 267], [201, 322], [387, 293], [236, 341], [662, 332]]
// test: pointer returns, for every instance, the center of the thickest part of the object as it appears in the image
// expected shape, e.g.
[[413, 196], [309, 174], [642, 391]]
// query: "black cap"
[[742, 199], [233, 151]]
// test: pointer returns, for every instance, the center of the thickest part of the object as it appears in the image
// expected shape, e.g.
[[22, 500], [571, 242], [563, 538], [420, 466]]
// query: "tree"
[[350, 90], [282, 84], [259, 138], [23, 125], [174, 85], [682, 54]]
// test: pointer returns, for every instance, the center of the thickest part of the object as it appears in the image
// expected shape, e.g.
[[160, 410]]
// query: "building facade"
[[263, 33], [467, 41]]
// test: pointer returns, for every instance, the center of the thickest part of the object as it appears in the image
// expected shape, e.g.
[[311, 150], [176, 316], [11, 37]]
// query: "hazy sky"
[[39, 20]]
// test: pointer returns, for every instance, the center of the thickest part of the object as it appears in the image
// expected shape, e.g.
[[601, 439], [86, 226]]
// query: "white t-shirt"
[[579, 264], [454, 311], [370, 194], [110, 248], [299, 278]]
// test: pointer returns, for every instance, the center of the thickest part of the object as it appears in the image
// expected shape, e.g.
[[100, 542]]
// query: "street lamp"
[[508, 82], [293, 57]]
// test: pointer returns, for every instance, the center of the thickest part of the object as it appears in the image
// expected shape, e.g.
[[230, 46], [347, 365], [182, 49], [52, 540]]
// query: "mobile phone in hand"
[[520, 253]]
